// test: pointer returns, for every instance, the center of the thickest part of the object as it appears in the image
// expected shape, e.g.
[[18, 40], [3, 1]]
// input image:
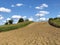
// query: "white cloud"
[[43, 19], [4, 21], [42, 13], [24, 17], [8, 19], [42, 6], [19, 4], [2, 9], [31, 19], [58, 15], [38, 14], [1, 17], [16, 16]]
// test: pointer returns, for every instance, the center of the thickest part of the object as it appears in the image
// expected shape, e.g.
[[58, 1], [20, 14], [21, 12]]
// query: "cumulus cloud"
[[1, 17], [16, 16], [4, 21], [42, 13], [58, 15], [8, 19], [18, 4], [24, 17], [31, 19], [2, 9], [42, 6], [43, 19]]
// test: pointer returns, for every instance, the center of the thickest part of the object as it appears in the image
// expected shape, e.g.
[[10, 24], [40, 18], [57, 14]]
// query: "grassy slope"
[[13, 26], [55, 22]]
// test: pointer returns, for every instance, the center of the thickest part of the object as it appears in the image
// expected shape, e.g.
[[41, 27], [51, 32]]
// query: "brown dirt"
[[40, 33]]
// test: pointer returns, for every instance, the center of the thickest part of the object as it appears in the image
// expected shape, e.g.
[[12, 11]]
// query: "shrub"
[[21, 20], [27, 20], [10, 21], [6, 23], [50, 19], [54, 22]]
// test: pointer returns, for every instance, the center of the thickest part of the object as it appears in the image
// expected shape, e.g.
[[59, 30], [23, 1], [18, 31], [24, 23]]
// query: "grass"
[[55, 22], [13, 26]]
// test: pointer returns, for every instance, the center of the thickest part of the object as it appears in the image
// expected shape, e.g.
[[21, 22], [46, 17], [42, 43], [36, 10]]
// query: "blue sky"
[[30, 9]]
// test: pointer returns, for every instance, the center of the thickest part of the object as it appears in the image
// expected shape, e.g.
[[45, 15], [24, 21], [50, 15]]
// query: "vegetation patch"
[[14, 26], [54, 22]]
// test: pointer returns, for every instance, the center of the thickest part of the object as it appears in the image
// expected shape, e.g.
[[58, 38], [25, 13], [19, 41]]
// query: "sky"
[[36, 10]]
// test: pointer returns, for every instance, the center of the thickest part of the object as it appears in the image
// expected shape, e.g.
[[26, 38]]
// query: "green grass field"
[[13, 26]]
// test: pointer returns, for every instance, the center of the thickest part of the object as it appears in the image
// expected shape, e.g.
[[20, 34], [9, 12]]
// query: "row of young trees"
[[11, 21]]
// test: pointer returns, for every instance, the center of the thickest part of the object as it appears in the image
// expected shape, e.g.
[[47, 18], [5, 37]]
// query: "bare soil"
[[40, 33]]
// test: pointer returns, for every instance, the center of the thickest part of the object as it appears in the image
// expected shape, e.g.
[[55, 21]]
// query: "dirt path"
[[33, 34]]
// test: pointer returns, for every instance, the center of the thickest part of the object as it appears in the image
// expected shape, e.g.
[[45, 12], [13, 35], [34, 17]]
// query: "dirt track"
[[33, 34]]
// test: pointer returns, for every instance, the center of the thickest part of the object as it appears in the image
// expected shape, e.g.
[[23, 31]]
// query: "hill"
[[40, 33], [54, 22]]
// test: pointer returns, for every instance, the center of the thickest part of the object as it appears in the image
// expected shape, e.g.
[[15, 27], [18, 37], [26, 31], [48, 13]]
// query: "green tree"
[[6, 23], [10, 21], [26, 19], [21, 20]]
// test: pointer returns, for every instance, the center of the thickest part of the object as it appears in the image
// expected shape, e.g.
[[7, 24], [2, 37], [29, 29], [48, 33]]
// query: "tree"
[[27, 20], [6, 23], [50, 19], [21, 20], [10, 21]]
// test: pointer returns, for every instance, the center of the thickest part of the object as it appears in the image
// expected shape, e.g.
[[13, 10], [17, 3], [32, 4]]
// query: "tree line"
[[11, 21]]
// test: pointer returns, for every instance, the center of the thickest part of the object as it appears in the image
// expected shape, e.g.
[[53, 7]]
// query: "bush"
[[27, 20], [6, 23], [21, 20], [10, 21], [50, 18], [54, 22]]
